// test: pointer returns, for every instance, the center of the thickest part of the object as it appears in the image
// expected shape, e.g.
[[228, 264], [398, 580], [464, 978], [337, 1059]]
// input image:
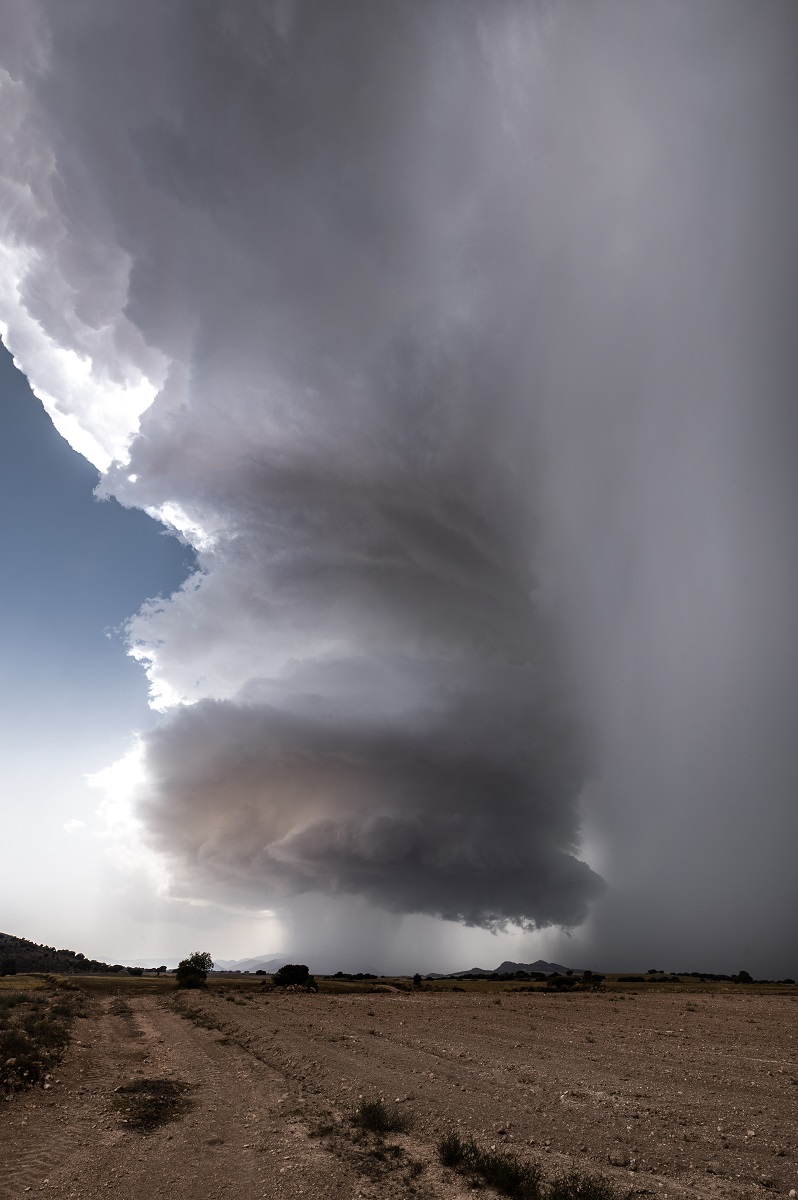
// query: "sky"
[[399, 481]]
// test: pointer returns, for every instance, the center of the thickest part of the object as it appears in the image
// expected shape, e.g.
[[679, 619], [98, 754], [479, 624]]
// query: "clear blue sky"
[[74, 569]]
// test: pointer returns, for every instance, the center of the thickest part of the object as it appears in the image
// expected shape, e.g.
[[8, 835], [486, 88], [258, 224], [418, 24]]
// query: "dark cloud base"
[[465, 812]]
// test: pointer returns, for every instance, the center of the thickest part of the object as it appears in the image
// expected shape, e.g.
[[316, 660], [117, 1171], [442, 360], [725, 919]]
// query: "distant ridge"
[[23, 955], [261, 962], [272, 963], [509, 968]]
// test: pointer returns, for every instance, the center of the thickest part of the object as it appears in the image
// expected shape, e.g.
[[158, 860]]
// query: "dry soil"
[[671, 1095]]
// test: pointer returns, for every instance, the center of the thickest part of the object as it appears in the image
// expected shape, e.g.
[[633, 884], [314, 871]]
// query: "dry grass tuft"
[[375, 1116], [517, 1179]]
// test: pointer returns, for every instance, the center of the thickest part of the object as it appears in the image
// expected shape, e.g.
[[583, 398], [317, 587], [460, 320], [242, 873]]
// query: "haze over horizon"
[[436, 366]]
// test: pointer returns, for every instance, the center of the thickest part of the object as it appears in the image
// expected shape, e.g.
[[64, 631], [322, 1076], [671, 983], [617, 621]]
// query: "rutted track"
[[672, 1095], [244, 1135]]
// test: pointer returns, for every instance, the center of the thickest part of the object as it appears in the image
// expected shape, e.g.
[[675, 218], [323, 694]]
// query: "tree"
[[294, 973], [416, 980], [193, 971]]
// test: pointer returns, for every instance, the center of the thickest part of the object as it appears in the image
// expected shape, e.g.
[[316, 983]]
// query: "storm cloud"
[[456, 339]]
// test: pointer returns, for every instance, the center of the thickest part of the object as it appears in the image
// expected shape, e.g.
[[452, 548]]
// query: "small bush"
[[575, 1186], [520, 1180], [46, 1032], [496, 1168], [376, 1116], [453, 1151], [560, 983], [10, 1000]]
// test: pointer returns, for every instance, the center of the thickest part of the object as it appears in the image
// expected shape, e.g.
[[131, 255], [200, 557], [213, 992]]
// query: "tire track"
[[45, 1129], [245, 1135]]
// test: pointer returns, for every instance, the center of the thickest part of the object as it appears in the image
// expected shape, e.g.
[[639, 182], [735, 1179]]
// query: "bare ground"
[[671, 1095]]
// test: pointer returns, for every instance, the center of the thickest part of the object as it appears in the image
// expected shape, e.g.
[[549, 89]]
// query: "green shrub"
[[192, 972]]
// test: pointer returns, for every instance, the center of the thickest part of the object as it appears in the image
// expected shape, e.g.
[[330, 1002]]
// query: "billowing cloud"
[[423, 789], [453, 338]]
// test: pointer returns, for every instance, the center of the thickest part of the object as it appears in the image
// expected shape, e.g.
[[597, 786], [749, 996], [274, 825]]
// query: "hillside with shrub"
[[21, 956]]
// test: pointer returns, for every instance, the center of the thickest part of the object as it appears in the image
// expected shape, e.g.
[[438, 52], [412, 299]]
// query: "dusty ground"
[[670, 1095]]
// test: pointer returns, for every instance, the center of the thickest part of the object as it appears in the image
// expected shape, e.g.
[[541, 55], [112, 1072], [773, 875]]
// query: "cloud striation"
[[447, 334]]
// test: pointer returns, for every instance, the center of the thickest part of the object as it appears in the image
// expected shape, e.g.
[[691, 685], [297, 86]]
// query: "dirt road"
[[670, 1096]]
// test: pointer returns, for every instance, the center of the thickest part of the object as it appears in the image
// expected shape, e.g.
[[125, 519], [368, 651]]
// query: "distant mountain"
[[150, 964], [272, 963], [546, 968], [262, 962], [509, 968]]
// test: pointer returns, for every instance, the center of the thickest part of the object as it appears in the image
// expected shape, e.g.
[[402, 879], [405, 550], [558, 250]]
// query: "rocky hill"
[[540, 967], [18, 955]]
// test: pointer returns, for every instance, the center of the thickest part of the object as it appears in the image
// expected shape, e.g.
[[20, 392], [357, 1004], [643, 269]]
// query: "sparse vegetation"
[[360, 1141], [375, 1116], [520, 1180], [575, 1185], [496, 1168], [34, 1032], [452, 1043], [197, 1017]]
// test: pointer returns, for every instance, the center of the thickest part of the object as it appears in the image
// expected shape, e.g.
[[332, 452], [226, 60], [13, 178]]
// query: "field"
[[237, 1091]]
